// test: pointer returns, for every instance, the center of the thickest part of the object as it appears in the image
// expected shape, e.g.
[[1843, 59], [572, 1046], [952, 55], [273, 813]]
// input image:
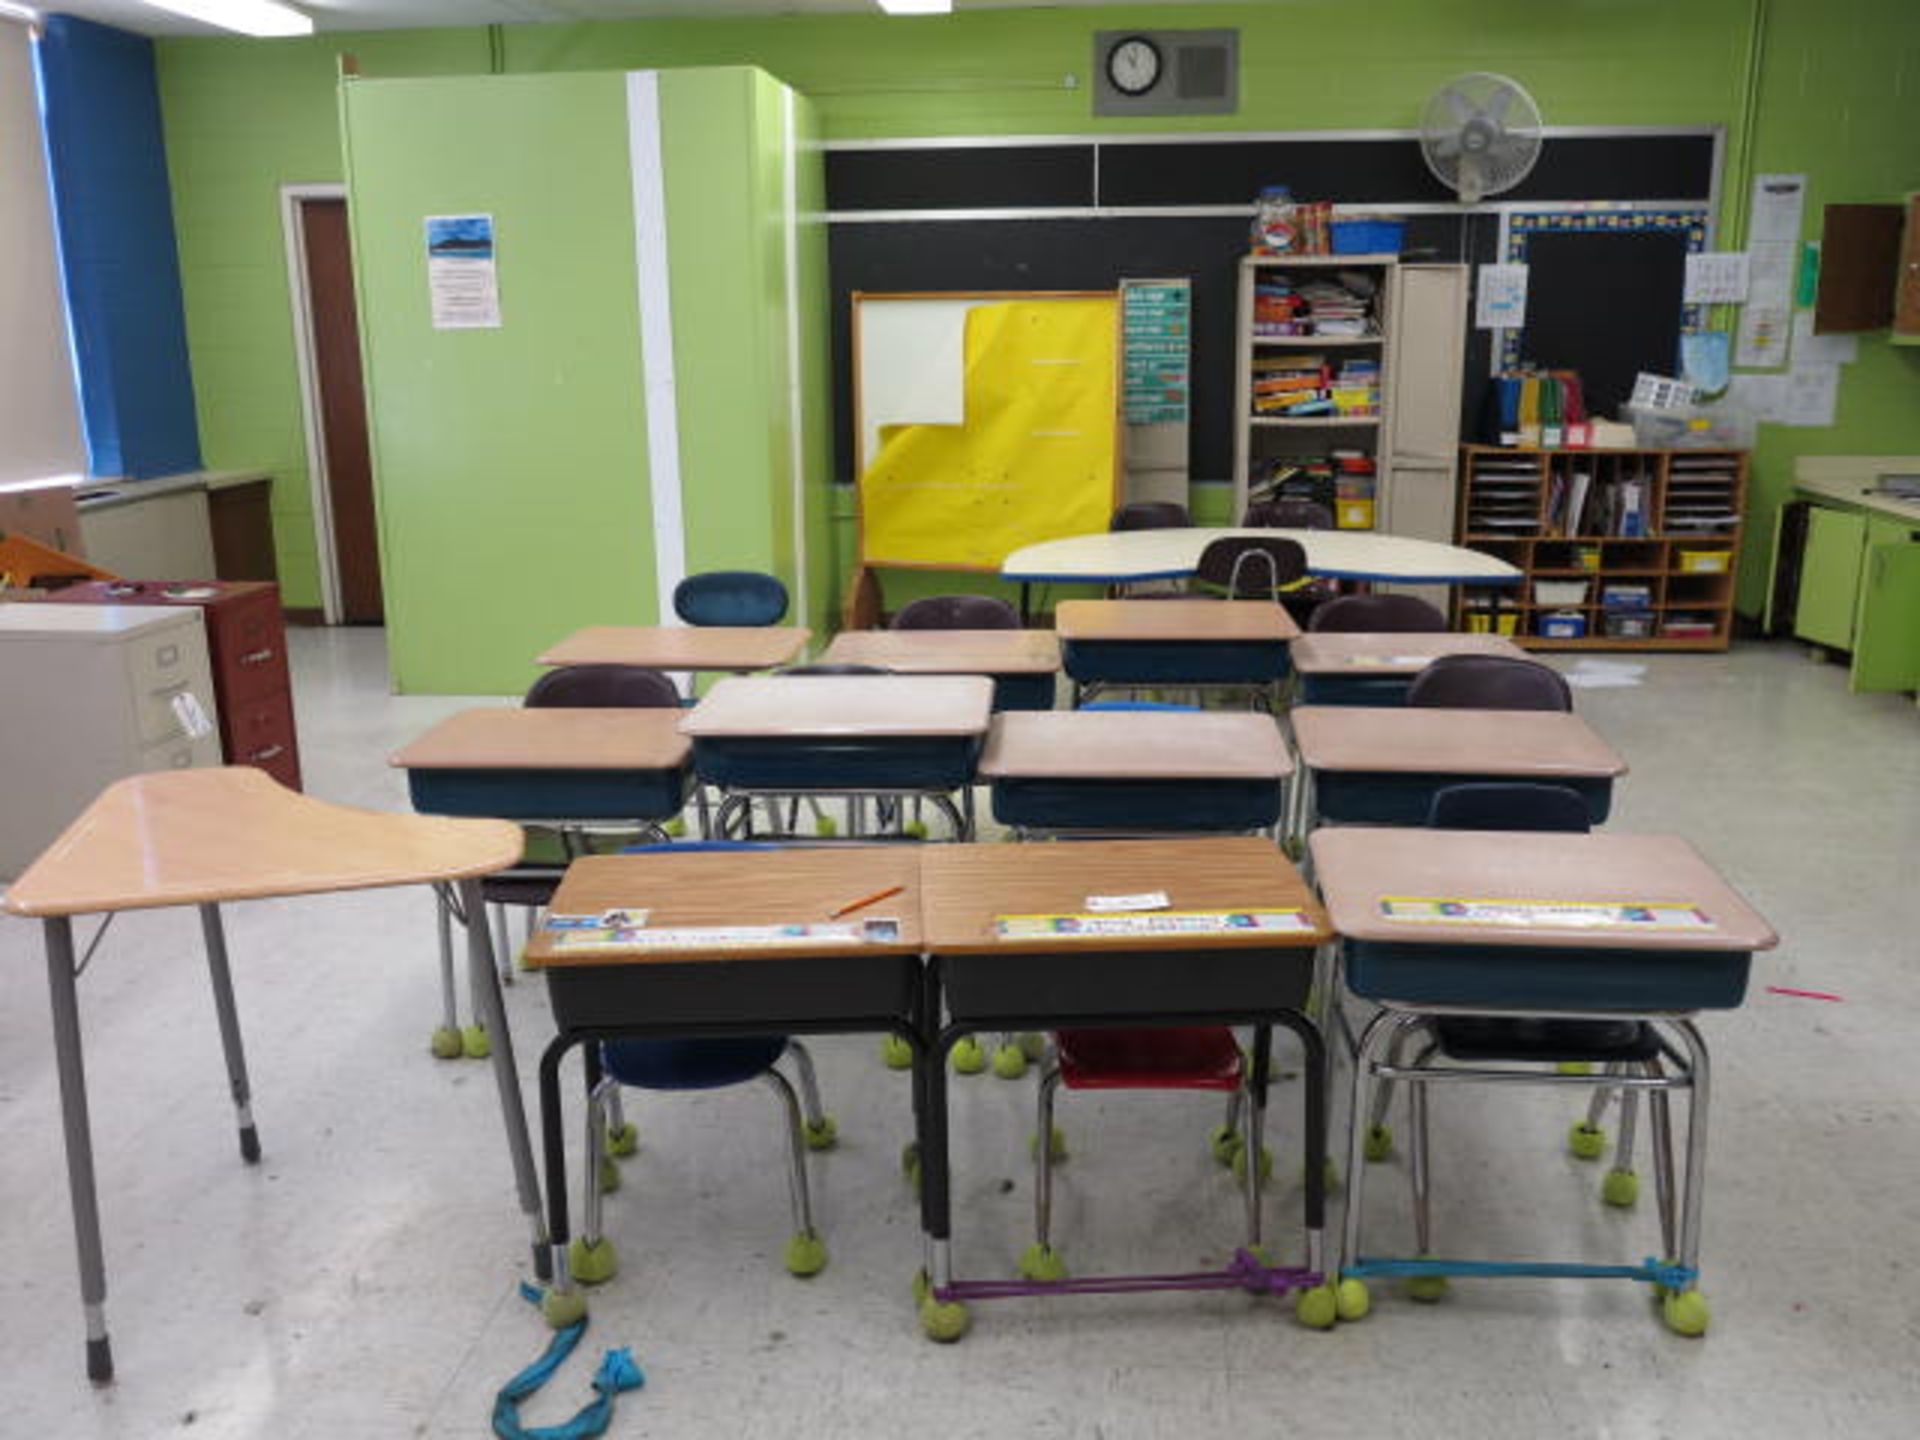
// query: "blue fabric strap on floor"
[[617, 1372]]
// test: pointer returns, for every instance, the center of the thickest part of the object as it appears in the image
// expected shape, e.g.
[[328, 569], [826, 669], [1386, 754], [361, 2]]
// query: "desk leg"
[[230, 1045], [941, 1319], [486, 993], [63, 985], [1026, 611], [1314, 1106]]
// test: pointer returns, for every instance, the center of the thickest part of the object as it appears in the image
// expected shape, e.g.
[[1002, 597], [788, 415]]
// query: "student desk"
[[1383, 766], [1361, 669], [1173, 643], [1125, 556], [1120, 770], [853, 735], [1532, 958], [551, 766], [203, 837], [723, 984], [735, 648], [1021, 663], [992, 981]]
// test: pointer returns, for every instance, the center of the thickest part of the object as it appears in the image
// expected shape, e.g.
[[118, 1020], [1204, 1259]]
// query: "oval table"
[[1119, 557]]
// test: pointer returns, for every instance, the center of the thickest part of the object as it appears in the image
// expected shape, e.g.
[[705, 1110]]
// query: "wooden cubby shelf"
[[1611, 545]]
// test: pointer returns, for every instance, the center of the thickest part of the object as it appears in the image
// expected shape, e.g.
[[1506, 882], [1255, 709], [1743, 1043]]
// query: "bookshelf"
[[1270, 364], [1640, 545]]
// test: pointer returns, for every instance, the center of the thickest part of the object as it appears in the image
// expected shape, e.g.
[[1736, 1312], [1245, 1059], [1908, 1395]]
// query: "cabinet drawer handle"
[[174, 688], [270, 753], [258, 657]]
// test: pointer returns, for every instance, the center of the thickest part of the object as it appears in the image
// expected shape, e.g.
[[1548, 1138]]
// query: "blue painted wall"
[[114, 211]]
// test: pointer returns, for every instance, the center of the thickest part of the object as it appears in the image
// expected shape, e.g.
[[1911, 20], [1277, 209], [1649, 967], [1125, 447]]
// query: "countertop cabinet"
[[1857, 556]]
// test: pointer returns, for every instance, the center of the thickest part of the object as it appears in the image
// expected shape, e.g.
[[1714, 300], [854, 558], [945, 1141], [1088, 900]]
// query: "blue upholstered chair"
[[700, 1064], [731, 597]]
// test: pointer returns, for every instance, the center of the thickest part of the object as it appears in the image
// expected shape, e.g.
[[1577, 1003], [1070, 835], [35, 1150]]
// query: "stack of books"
[[1336, 307], [1356, 388], [1292, 386], [1278, 311]]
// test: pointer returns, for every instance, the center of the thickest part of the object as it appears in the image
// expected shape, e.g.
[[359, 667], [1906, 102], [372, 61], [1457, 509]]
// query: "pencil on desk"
[[864, 901]]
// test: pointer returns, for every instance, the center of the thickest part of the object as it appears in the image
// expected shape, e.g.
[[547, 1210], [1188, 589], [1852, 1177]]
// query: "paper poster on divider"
[[1034, 457], [463, 285]]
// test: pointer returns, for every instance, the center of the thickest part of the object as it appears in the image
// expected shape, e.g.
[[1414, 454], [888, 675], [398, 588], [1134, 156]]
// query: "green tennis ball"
[[563, 1308], [945, 1322], [592, 1264], [1686, 1313], [446, 1043], [1351, 1299], [1042, 1263], [806, 1255], [1379, 1143], [968, 1056], [917, 829], [1225, 1142], [1427, 1289], [1240, 1163], [826, 827], [896, 1053], [1621, 1188], [675, 827], [822, 1134], [1034, 1045], [1574, 1067], [1056, 1148], [609, 1175], [1009, 1062], [1586, 1142], [622, 1139], [474, 1043], [922, 1288], [1316, 1308]]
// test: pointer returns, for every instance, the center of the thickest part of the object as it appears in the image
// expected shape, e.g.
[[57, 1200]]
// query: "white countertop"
[[1849, 480], [105, 494]]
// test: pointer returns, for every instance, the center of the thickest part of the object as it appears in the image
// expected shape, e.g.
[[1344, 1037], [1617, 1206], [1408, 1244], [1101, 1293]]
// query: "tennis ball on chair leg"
[[896, 1053], [1225, 1142], [1586, 1142], [475, 1043], [592, 1264], [1379, 1142], [446, 1043], [969, 1057], [623, 1139], [1009, 1062], [1621, 1188]]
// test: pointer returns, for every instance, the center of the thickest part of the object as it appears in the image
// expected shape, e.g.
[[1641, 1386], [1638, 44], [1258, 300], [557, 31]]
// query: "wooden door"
[[343, 409], [1906, 290]]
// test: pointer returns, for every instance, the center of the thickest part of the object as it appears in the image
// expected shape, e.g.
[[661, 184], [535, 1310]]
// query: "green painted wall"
[[248, 114], [510, 464], [243, 118]]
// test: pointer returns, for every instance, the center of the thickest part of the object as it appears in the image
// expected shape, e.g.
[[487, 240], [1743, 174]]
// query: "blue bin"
[[1372, 236]]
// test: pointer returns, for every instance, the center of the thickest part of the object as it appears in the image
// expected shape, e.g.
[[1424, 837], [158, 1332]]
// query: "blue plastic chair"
[[731, 597], [700, 1064]]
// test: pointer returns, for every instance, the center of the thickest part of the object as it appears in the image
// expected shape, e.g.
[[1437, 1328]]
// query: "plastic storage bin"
[[1629, 624], [1559, 592], [1705, 562], [1375, 235], [1691, 427], [1563, 625]]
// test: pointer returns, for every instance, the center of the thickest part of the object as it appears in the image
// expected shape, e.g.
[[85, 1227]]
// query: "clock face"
[[1133, 65]]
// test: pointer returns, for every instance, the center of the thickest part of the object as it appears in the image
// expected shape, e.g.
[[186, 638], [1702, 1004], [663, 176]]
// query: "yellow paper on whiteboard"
[[1034, 459]]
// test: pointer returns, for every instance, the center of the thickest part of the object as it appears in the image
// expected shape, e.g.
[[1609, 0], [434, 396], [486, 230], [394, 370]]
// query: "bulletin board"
[[983, 421]]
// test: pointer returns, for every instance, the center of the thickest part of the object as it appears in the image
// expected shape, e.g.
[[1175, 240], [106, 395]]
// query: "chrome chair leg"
[[809, 1083], [593, 1218], [801, 1196], [449, 1013], [1660, 1113], [1420, 1155], [1043, 1160]]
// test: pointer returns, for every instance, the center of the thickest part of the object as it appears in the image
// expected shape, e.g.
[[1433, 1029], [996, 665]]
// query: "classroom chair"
[[1624, 1048], [1251, 567], [1150, 515], [731, 597], [1489, 682], [1377, 615], [574, 687], [1188, 1057], [698, 1064], [956, 612]]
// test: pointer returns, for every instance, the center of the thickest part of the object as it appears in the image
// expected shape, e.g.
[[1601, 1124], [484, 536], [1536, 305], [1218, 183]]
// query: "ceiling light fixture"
[[917, 7], [262, 18], [25, 14]]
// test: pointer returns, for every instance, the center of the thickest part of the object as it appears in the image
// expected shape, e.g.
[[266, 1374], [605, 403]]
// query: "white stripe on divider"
[[656, 335], [796, 394]]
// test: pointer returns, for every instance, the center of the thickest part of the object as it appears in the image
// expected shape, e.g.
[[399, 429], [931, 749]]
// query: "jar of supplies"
[[1274, 229]]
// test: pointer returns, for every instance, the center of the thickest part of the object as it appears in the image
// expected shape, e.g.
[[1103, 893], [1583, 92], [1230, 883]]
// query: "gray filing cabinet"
[[90, 694]]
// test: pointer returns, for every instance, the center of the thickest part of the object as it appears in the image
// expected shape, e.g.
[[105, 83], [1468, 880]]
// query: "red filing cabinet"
[[247, 651]]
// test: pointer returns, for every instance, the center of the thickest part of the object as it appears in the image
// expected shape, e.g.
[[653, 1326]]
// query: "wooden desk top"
[[1134, 745], [899, 706], [190, 837], [1226, 620], [1358, 865], [1396, 740], [681, 647], [765, 887], [1357, 654], [949, 652], [550, 739], [966, 887]]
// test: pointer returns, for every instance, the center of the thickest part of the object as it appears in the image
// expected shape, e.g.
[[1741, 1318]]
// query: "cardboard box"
[[46, 513]]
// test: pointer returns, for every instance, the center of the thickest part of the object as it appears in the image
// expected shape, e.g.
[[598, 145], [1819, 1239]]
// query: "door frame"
[[292, 199]]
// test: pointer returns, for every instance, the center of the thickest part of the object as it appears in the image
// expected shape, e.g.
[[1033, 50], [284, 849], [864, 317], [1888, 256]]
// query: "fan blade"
[[1444, 147], [1497, 107], [1462, 108]]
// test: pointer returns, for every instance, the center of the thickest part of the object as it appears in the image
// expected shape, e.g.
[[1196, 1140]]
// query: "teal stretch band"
[[1674, 1277], [618, 1371]]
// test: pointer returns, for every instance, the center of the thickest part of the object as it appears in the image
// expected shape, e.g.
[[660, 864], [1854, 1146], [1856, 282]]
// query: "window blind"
[[39, 415]]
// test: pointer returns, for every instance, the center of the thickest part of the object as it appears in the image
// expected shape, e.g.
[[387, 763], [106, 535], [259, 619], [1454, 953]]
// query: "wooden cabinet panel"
[[1859, 259], [1906, 292]]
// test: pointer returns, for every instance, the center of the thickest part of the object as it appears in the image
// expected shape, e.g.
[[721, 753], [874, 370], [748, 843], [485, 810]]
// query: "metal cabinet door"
[[1886, 648], [1830, 578]]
